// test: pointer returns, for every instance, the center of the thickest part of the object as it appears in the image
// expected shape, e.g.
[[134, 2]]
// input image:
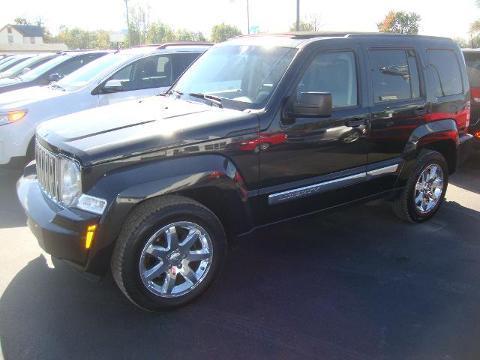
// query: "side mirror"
[[54, 77], [312, 104], [113, 86]]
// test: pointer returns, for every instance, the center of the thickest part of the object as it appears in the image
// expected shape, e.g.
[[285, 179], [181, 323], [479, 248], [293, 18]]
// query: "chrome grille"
[[47, 171]]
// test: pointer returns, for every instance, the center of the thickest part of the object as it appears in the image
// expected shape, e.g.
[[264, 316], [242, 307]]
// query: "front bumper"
[[60, 232]]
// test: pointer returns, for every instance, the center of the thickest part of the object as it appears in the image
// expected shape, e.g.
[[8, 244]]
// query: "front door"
[[319, 155], [148, 76]]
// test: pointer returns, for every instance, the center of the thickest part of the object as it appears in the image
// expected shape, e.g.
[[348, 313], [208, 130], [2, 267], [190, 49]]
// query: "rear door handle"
[[356, 122], [420, 110]]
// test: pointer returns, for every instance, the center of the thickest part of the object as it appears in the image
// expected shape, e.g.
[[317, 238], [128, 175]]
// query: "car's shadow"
[[355, 284], [11, 213], [468, 175]]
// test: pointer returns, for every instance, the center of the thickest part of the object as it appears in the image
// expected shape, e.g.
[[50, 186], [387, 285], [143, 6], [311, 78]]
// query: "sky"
[[439, 17]]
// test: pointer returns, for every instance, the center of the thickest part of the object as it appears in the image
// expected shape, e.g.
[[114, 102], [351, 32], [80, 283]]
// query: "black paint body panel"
[[233, 161]]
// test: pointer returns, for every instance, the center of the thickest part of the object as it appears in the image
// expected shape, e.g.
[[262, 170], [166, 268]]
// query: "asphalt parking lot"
[[352, 284]]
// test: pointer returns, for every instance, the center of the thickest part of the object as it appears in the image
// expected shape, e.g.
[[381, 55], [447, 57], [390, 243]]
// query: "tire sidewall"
[[137, 240], [432, 158]]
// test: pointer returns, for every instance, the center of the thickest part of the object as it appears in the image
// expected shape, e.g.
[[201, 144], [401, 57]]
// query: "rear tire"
[[168, 253], [425, 190]]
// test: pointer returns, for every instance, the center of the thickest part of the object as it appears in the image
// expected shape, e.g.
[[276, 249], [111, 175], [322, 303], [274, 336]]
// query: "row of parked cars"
[[42, 87], [258, 130]]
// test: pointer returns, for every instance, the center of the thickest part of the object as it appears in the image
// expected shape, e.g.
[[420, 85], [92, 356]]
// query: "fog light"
[[90, 235], [91, 204]]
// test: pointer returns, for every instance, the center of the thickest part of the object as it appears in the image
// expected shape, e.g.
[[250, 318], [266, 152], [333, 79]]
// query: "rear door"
[[399, 105]]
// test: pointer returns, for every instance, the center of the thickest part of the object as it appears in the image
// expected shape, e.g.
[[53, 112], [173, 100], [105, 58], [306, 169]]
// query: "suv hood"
[[142, 126], [22, 98]]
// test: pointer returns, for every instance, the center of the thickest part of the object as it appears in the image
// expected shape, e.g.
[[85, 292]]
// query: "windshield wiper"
[[212, 98], [175, 92]]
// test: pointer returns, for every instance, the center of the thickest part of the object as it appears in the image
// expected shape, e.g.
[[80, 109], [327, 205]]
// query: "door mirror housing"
[[312, 104], [112, 86]]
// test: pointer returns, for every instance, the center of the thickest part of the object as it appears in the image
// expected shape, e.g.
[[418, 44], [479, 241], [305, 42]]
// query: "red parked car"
[[472, 60]]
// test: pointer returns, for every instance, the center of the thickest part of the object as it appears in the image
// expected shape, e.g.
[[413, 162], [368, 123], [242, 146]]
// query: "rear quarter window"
[[473, 68], [446, 69]]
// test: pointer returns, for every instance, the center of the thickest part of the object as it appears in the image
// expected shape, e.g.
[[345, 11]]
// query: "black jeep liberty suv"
[[260, 129]]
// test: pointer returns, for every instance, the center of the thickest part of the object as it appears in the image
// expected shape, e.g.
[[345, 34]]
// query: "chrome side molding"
[[301, 192]]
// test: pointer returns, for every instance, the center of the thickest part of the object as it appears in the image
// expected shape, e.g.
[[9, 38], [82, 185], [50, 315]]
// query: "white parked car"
[[124, 75]]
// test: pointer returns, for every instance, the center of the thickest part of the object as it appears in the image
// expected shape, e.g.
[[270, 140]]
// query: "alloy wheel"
[[175, 259]]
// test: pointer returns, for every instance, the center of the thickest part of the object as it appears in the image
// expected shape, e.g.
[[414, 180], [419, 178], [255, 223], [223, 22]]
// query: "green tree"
[[185, 35], [21, 21], [139, 25], [159, 33], [222, 32], [400, 22], [313, 23]]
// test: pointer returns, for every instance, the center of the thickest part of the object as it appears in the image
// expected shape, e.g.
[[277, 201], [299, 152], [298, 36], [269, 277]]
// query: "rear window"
[[395, 74], [473, 68], [446, 69]]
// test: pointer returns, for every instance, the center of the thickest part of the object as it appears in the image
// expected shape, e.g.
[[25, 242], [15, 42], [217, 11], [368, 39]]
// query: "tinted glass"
[[94, 70], [71, 65], [473, 68], [395, 75], [334, 73], [29, 63], [181, 62], [147, 73], [245, 75], [445, 66]]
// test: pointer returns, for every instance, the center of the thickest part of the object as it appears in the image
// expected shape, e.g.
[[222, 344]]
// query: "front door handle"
[[356, 122]]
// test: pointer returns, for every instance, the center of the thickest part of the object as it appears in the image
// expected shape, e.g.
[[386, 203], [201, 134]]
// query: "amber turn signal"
[[477, 134], [90, 235]]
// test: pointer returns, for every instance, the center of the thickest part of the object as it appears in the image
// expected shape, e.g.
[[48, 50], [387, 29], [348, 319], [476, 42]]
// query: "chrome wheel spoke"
[[191, 238], [169, 283], [189, 275], [198, 256], [156, 251], [172, 237], [155, 271]]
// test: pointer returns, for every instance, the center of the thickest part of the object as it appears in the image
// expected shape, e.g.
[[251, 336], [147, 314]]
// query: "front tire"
[[425, 190], [168, 252]]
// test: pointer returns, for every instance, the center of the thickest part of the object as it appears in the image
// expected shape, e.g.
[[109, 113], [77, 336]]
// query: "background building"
[[25, 38]]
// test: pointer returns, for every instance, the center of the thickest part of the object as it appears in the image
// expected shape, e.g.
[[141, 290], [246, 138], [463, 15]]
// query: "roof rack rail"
[[177, 43]]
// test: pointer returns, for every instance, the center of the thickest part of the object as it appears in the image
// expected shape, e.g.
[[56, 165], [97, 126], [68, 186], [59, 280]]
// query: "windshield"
[[473, 68], [17, 69], [92, 71], [42, 69], [11, 62], [242, 74]]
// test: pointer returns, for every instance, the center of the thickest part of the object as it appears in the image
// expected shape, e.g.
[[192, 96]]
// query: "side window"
[[394, 74], [333, 72], [68, 66], [445, 66], [181, 62], [152, 72]]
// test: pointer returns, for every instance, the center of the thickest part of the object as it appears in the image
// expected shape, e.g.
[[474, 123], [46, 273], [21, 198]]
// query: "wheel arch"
[[213, 181]]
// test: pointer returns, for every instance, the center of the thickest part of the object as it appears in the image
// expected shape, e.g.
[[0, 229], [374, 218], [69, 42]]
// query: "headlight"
[[12, 116], [70, 181]]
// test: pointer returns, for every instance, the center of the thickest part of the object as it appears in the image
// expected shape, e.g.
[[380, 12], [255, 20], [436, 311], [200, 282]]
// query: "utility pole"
[[248, 19], [297, 25], [128, 23]]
